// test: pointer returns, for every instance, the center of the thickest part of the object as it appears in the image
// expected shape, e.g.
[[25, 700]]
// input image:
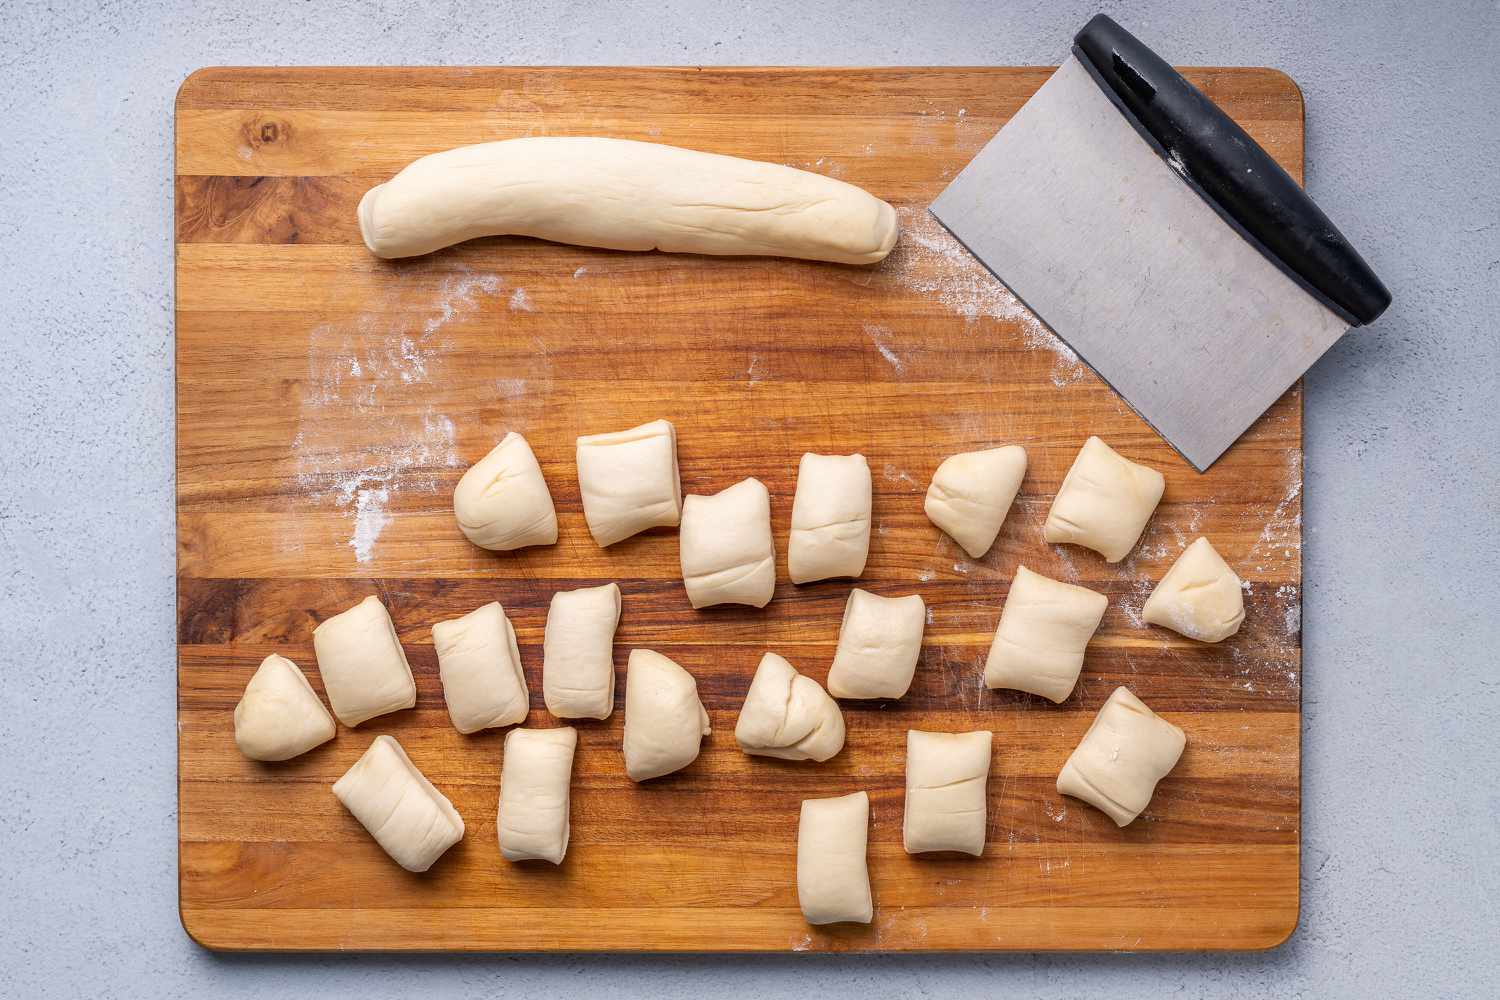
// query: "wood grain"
[[327, 403]]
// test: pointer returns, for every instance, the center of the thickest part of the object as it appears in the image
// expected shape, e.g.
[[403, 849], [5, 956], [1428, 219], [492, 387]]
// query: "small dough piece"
[[787, 715], [628, 481], [879, 643], [363, 665], [664, 721], [623, 195], [1126, 751], [413, 821], [535, 778], [830, 518], [279, 716], [1200, 597], [578, 652], [725, 546], [502, 502], [480, 667], [972, 492], [833, 880], [1104, 502], [946, 775], [1044, 629]]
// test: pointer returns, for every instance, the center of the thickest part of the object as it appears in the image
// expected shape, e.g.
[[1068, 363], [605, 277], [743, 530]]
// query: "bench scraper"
[[1160, 241]]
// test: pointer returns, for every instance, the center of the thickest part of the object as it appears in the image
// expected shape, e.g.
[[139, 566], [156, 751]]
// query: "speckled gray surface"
[[1401, 801]]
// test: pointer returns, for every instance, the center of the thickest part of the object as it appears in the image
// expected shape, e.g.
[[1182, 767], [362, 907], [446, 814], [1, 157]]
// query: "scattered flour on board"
[[924, 575], [895, 475], [581, 272], [521, 302], [929, 260], [359, 374], [880, 336], [756, 370]]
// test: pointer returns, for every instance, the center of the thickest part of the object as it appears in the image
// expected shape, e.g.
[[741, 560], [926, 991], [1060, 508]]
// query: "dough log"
[[946, 774], [879, 643], [833, 879], [788, 715], [363, 665], [1044, 630], [279, 716], [479, 664], [725, 546], [413, 821], [1126, 751], [664, 721], [1104, 502], [578, 658], [623, 195], [502, 502], [535, 780], [830, 518], [1200, 597]]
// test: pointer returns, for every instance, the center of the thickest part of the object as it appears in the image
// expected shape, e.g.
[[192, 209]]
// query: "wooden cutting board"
[[327, 403]]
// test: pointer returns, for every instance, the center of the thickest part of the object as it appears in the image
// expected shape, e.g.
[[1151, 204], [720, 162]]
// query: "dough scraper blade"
[[1160, 242]]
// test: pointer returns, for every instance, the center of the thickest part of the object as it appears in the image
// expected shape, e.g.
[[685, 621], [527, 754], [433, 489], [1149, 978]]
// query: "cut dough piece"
[[413, 821], [946, 775], [972, 492], [1126, 751], [535, 780], [664, 721], [1200, 596], [788, 715], [830, 518], [833, 880], [1044, 629], [1104, 502], [502, 502], [628, 481], [279, 716], [578, 652], [725, 546], [879, 643], [623, 195], [363, 665], [480, 667]]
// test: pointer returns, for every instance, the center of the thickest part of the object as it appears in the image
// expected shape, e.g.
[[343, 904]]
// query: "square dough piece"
[[578, 652], [479, 664], [946, 774], [413, 821], [972, 492], [279, 716], [502, 502], [1104, 502], [535, 779], [1126, 751], [725, 546], [363, 665], [833, 880], [1200, 597], [830, 518], [879, 643], [1044, 629], [628, 481]]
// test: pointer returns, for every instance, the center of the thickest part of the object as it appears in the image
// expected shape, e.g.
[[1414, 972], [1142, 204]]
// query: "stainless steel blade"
[[1085, 222]]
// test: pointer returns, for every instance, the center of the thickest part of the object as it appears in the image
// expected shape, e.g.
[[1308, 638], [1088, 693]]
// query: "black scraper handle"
[[1230, 171]]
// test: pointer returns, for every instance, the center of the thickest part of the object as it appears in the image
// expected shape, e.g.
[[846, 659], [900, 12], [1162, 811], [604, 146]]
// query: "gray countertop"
[[1402, 647]]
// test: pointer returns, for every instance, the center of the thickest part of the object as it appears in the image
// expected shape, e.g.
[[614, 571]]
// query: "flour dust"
[[362, 429]]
